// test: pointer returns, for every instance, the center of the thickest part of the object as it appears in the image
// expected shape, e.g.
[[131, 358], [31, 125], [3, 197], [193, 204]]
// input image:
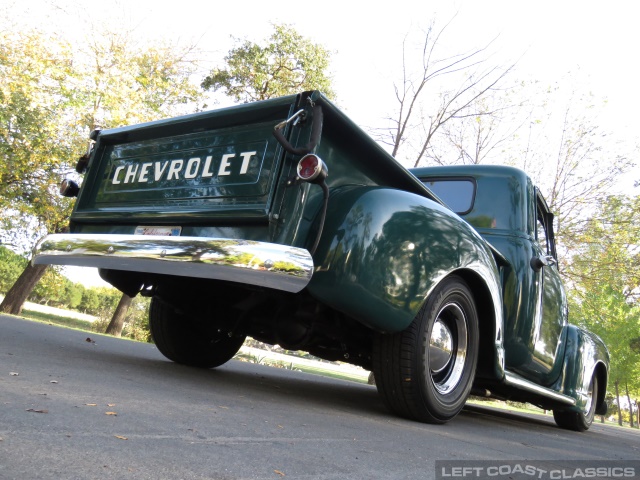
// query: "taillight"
[[312, 169]]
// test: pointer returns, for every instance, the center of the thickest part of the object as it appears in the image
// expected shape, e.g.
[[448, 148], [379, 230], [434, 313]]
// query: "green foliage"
[[73, 293], [90, 302], [99, 301], [607, 248], [57, 290], [50, 288], [136, 324], [608, 314], [52, 94], [11, 265], [34, 146], [122, 83], [605, 272], [284, 64]]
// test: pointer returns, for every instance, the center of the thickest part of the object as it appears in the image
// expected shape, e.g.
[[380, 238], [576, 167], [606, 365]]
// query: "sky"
[[596, 41], [547, 38]]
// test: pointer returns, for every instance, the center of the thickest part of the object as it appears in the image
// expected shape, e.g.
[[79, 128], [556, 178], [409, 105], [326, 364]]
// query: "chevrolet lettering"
[[283, 221], [177, 169]]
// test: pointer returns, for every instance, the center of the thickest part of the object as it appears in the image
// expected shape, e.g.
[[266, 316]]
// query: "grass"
[[293, 363], [523, 408], [330, 373], [57, 320]]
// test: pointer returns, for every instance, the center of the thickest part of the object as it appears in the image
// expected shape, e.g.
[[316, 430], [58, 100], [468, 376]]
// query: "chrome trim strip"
[[244, 261], [517, 381]]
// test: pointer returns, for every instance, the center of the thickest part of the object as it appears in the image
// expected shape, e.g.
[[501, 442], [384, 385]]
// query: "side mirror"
[[543, 261]]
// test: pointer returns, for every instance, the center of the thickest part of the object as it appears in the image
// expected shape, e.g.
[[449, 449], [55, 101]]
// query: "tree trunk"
[[626, 386], [117, 321], [637, 413], [18, 293], [618, 400]]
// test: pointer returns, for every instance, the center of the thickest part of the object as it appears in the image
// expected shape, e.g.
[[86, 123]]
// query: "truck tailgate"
[[222, 163]]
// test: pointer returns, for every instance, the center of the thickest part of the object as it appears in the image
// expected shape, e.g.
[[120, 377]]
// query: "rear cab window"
[[457, 193]]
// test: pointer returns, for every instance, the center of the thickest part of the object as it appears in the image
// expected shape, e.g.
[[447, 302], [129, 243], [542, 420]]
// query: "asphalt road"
[[118, 409]]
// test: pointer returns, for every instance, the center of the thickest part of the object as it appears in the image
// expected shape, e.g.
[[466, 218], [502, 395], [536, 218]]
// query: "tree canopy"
[[604, 273], [284, 63], [34, 143], [51, 97]]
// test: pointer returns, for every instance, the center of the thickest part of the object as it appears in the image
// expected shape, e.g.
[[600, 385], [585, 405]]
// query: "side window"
[[541, 234], [544, 227]]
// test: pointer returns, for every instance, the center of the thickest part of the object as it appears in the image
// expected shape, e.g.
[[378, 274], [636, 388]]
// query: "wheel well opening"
[[601, 372], [487, 355]]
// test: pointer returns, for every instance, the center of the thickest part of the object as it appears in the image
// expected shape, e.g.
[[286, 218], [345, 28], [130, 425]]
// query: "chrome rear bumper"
[[244, 261]]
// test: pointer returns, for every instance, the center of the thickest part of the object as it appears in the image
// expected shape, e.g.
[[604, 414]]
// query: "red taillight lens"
[[307, 167], [312, 169]]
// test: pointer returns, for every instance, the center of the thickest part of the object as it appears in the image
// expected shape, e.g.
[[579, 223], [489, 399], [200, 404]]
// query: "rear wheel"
[[190, 341], [580, 421], [426, 371]]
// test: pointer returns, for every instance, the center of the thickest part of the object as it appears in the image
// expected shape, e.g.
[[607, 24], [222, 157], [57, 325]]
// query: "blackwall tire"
[[580, 421], [425, 372], [188, 341]]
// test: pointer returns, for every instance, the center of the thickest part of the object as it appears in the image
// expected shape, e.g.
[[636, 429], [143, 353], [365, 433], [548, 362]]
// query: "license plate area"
[[160, 231]]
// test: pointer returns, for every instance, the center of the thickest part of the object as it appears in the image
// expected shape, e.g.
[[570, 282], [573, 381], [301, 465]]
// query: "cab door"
[[551, 305]]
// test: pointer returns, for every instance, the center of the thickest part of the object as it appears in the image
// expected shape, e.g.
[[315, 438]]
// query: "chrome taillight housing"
[[312, 169]]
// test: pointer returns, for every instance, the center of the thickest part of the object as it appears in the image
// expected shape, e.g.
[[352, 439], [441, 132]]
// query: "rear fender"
[[384, 250]]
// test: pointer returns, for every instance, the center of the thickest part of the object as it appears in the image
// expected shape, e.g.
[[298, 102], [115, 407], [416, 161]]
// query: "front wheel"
[[190, 341], [580, 421], [425, 372]]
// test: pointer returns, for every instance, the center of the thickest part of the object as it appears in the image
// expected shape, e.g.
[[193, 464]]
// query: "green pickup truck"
[[283, 221]]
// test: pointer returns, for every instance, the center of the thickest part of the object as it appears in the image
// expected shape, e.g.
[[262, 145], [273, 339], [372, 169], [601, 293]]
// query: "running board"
[[520, 383]]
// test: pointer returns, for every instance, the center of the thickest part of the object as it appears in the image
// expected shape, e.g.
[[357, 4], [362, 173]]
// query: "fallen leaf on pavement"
[[121, 437], [37, 411], [279, 473], [53, 381], [91, 404], [14, 374], [111, 413], [111, 404]]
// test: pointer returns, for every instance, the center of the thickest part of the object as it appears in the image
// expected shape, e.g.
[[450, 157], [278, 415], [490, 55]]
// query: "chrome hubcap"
[[440, 347], [448, 348]]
